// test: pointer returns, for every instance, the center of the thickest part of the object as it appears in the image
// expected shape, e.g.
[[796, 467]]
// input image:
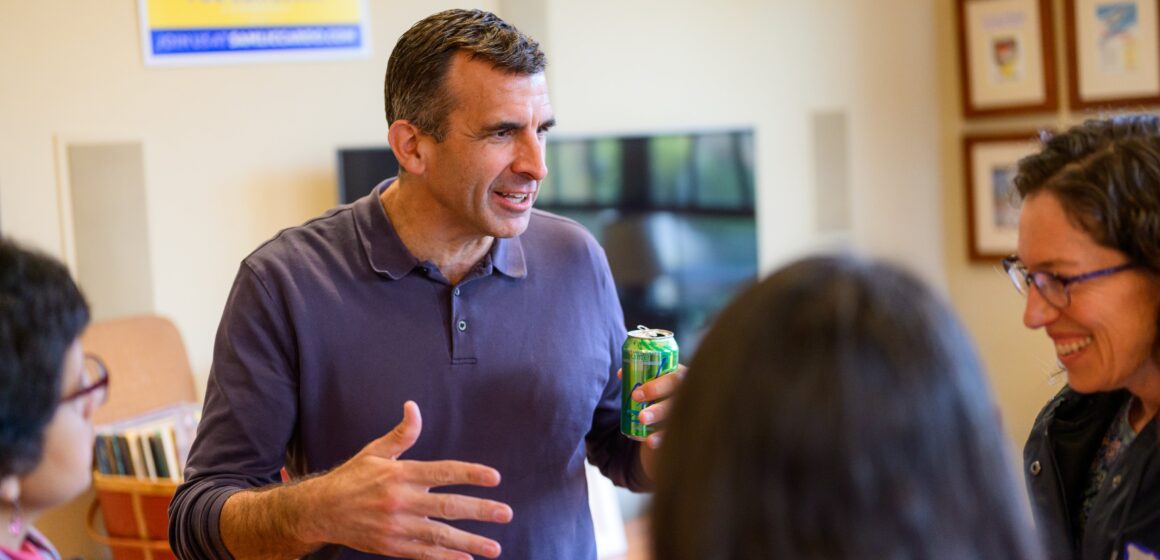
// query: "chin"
[[1084, 383], [510, 229]]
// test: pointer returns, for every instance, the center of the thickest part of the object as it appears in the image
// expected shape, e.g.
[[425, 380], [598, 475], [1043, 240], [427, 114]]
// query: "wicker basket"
[[136, 514]]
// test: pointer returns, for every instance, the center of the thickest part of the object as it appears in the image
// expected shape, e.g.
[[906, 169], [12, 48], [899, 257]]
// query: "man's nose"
[[530, 160]]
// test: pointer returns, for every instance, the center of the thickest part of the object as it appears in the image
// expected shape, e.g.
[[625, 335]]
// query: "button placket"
[[462, 343], [457, 310]]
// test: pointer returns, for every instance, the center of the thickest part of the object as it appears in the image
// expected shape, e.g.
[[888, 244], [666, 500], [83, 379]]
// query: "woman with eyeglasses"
[[1089, 264], [48, 392]]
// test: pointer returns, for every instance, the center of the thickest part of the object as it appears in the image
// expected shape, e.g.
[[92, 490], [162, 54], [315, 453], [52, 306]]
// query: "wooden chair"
[[148, 366]]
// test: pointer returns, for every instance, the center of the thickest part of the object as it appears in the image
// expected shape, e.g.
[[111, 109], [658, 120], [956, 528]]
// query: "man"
[[443, 288]]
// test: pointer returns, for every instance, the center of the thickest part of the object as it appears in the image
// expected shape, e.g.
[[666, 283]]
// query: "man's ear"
[[407, 141]]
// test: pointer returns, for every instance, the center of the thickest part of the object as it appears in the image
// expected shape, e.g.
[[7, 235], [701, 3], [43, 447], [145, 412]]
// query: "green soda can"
[[646, 355]]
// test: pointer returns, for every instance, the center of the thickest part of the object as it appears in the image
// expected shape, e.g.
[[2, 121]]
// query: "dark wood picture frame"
[[991, 241], [1076, 71], [1042, 36]]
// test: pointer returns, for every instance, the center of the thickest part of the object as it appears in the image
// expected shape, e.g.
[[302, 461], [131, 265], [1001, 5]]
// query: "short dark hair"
[[1106, 175], [413, 89], [41, 313], [836, 410]]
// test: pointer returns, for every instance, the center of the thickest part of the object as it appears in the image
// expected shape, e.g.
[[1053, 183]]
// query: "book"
[[101, 456], [168, 443], [146, 455], [135, 458], [158, 451], [151, 446]]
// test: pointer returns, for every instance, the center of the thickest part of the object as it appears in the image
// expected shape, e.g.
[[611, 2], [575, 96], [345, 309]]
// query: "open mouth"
[[515, 197], [1070, 348]]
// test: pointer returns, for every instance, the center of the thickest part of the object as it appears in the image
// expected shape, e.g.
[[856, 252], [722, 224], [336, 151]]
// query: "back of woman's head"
[[41, 313], [836, 410], [1106, 175]]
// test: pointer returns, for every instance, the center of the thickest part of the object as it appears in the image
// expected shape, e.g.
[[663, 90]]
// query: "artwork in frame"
[[989, 163], [1006, 62], [1113, 52]]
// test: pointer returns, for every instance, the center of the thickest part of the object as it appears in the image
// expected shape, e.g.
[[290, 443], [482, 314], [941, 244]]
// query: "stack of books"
[[153, 446]]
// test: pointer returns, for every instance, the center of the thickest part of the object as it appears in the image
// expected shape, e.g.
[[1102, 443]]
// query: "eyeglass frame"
[[101, 383], [1028, 277]]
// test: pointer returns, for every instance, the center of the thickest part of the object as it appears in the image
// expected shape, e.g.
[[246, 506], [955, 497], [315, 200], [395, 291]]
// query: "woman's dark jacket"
[[1057, 462]]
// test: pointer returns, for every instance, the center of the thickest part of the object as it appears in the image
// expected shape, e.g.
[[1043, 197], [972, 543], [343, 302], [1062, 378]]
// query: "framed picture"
[[989, 163], [1005, 57], [1113, 52]]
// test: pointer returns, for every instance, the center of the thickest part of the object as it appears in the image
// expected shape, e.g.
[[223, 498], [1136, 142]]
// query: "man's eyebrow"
[[512, 125], [502, 125]]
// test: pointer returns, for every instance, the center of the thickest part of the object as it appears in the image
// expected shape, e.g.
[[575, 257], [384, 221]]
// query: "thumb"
[[402, 437]]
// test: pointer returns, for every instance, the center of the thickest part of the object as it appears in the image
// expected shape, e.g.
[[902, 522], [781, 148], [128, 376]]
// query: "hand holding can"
[[646, 354]]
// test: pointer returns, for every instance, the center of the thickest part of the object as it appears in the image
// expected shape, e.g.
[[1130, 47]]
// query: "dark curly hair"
[[836, 410], [41, 313], [1106, 175], [413, 89]]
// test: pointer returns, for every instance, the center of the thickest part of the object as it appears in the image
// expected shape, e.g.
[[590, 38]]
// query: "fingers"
[[662, 387], [655, 413], [449, 473], [653, 441], [402, 437], [456, 507], [431, 539]]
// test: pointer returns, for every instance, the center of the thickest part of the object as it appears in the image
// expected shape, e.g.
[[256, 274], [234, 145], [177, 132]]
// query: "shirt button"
[[1116, 480], [456, 292], [1035, 468], [462, 325]]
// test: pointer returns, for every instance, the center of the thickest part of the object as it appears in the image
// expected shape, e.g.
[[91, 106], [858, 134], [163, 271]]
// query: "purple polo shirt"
[[332, 325]]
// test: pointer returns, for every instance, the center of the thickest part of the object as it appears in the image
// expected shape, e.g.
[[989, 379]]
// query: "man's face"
[[486, 173]]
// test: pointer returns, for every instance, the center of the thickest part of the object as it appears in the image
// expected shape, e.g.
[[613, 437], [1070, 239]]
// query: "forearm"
[[272, 523]]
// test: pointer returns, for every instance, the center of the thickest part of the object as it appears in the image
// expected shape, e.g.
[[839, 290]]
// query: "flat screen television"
[[360, 170], [674, 212]]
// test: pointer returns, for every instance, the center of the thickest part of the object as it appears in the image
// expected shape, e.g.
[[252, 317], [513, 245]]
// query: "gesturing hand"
[[382, 505]]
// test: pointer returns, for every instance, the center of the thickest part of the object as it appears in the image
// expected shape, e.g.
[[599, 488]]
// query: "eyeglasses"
[[1053, 287], [94, 382]]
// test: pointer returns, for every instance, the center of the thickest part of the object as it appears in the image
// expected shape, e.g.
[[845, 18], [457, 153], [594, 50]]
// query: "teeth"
[[515, 197], [1072, 347]]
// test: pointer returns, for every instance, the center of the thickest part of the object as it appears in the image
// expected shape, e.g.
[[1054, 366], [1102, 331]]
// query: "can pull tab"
[[652, 333]]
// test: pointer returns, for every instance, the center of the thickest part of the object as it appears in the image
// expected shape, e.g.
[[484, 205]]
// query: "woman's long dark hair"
[[837, 410]]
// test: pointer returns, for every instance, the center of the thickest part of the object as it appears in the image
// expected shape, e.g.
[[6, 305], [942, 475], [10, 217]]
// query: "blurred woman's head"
[[836, 410], [1089, 240], [45, 428]]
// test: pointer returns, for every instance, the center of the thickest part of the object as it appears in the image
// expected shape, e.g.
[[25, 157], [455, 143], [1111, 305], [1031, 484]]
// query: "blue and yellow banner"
[[182, 31]]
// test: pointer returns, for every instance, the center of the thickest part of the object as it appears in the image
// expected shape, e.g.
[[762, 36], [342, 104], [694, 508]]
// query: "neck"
[[419, 222], [7, 539], [1142, 412], [1146, 392]]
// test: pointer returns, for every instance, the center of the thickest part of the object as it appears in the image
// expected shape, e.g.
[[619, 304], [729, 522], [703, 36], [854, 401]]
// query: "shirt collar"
[[387, 254]]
